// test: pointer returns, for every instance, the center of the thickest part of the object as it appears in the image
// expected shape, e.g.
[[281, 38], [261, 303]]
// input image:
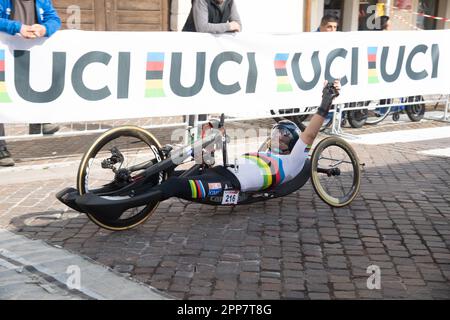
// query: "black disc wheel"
[[113, 163], [335, 172], [415, 112], [358, 118]]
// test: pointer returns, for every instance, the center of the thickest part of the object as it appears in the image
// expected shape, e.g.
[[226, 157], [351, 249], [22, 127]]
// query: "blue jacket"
[[45, 13]]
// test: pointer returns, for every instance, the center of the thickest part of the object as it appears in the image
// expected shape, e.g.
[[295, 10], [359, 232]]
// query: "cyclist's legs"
[[210, 183]]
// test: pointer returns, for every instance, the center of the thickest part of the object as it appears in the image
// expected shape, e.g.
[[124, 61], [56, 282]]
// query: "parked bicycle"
[[376, 112]]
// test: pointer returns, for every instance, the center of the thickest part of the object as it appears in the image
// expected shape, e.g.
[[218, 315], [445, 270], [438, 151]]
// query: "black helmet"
[[284, 134]]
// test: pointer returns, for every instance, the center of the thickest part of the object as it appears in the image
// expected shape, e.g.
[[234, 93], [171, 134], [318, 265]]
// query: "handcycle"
[[119, 169]]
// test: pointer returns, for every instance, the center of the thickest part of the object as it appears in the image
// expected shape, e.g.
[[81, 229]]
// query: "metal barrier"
[[76, 129], [446, 116], [335, 129]]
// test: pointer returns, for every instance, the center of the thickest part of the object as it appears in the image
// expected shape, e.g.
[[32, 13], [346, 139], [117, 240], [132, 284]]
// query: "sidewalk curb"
[[97, 281]]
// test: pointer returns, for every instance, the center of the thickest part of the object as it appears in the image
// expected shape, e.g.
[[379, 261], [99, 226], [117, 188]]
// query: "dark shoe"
[[5, 159], [48, 128], [45, 128]]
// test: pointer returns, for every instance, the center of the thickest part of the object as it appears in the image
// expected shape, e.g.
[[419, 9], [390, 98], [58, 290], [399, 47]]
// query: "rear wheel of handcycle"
[[415, 112], [335, 172], [103, 171]]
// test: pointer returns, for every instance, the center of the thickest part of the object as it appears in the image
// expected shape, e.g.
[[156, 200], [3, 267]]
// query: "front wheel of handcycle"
[[335, 172], [113, 162]]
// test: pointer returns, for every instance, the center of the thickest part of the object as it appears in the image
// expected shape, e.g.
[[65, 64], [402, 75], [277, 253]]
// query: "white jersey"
[[261, 170]]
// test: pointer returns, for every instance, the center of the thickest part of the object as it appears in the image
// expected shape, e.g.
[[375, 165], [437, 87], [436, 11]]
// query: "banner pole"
[[337, 116], [187, 132], [447, 106]]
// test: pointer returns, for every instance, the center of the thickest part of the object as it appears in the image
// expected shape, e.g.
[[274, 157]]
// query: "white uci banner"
[[82, 76]]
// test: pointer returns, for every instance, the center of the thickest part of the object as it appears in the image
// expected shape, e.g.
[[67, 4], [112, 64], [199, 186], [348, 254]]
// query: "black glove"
[[328, 94]]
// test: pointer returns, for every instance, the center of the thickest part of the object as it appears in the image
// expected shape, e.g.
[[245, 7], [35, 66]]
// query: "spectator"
[[5, 156], [31, 19], [329, 23], [212, 16]]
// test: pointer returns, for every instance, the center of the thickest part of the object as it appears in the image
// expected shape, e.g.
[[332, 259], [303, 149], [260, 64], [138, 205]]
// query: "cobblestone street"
[[295, 247]]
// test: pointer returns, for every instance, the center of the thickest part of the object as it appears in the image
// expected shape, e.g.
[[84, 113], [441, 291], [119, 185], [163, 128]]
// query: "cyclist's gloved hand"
[[329, 92]]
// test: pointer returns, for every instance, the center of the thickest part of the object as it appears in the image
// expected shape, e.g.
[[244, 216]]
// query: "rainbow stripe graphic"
[[372, 58], [308, 148], [154, 78], [283, 84], [197, 189], [4, 97], [271, 167]]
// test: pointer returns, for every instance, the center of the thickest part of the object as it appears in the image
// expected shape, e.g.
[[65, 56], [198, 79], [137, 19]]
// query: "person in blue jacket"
[[31, 19]]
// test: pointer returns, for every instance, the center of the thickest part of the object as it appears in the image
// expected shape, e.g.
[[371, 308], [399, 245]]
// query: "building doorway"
[[115, 15]]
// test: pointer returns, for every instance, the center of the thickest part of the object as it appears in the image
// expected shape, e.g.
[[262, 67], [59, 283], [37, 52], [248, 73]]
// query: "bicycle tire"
[[415, 112], [84, 170], [357, 118], [315, 178], [381, 113]]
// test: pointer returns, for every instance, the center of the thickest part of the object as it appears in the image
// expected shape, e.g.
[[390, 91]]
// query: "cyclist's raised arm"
[[328, 94]]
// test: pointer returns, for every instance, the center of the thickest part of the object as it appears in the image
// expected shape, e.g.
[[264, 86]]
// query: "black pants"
[[2, 133], [211, 183]]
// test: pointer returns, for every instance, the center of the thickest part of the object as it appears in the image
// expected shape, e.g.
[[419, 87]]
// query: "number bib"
[[230, 197]]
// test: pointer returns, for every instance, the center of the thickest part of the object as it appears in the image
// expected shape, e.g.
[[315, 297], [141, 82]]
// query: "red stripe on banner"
[[372, 58], [2, 65], [155, 66], [280, 64]]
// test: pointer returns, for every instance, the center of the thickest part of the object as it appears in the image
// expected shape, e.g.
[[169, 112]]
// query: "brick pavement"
[[290, 248]]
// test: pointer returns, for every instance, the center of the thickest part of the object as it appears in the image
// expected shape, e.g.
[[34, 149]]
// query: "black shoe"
[[48, 128], [5, 158], [44, 128]]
